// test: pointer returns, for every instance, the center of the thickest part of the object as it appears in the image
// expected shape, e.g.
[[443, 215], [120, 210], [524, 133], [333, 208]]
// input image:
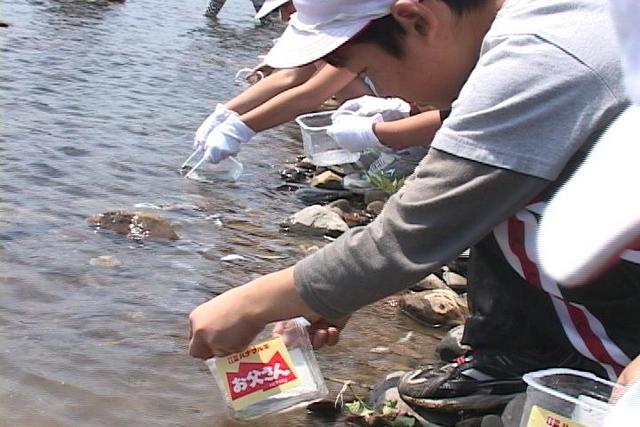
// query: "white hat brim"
[[268, 7], [299, 47]]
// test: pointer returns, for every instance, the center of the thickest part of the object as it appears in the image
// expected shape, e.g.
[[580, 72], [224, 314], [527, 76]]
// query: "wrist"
[[377, 132], [274, 297], [373, 132]]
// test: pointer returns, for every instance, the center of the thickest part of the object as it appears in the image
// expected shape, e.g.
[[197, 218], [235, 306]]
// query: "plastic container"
[[321, 149], [566, 398], [230, 169], [276, 372]]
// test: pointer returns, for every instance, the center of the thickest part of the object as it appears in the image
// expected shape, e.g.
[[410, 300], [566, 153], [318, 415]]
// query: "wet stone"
[[312, 196], [355, 219], [438, 307], [327, 180], [135, 225], [287, 187], [455, 281], [429, 283], [451, 347], [305, 163], [295, 174], [342, 204], [375, 195], [342, 170], [375, 207], [316, 220], [107, 261]]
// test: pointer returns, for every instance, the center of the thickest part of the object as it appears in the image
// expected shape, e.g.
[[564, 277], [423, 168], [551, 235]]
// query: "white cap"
[[269, 6], [320, 27]]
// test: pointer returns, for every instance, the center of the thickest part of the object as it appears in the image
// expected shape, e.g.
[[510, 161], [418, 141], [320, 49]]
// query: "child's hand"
[[323, 332], [223, 325], [218, 116], [225, 139]]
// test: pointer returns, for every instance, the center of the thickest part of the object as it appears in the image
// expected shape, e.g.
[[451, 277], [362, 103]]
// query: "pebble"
[[375, 207], [429, 283], [328, 180]]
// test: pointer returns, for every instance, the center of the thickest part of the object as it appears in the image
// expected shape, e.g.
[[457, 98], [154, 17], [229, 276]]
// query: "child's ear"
[[412, 16]]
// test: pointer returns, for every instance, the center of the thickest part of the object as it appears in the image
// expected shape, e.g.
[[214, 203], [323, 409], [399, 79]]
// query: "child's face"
[[286, 10], [433, 67]]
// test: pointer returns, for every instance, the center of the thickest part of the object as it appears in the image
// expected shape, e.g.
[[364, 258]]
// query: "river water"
[[100, 102]]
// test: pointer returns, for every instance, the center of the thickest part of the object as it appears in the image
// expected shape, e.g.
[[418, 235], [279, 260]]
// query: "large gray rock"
[[316, 220], [442, 307]]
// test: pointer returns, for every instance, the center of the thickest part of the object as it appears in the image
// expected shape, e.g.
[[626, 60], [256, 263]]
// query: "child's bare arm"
[[414, 130], [269, 87], [298, 100]]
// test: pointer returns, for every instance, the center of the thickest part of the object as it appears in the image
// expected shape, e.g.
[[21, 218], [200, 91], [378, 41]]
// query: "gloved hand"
[[390, 108], [218, 116], [355, 133], [225, 139]]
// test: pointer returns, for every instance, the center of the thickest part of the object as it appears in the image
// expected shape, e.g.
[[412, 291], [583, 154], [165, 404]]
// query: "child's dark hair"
[[387, 33]]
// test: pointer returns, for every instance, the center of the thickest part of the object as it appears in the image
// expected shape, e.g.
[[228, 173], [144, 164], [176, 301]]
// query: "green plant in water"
[[384, 183]]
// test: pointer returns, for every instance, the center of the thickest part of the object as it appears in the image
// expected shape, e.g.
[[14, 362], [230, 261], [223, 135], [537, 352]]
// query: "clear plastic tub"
[[566, 398], [230, 170], [276, 372], [321, 149]]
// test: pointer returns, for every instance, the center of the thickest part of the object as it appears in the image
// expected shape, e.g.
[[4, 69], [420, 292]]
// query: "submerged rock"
[[135, 225], [441, 307], [105, 261], [316, 220]]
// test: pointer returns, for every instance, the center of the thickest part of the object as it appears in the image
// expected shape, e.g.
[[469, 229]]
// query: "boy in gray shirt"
[[535, 83]]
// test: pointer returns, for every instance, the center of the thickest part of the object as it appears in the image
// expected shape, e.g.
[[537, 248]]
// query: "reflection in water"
[[100, 103]]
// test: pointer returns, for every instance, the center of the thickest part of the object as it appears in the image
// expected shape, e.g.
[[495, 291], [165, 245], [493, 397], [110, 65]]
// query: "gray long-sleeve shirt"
[[547, 81], [447, 205]]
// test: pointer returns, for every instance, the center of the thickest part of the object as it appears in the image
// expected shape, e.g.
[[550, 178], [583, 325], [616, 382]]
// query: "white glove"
[[390, 108], [218, 116], [225, 139], [355, 133]]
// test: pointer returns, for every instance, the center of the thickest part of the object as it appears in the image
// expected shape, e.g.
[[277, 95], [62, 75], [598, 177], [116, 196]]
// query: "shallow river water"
[[100, 102]]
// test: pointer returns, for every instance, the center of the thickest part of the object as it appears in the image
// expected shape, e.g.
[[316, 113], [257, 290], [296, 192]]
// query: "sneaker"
[[480, 383], [461, 389]]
